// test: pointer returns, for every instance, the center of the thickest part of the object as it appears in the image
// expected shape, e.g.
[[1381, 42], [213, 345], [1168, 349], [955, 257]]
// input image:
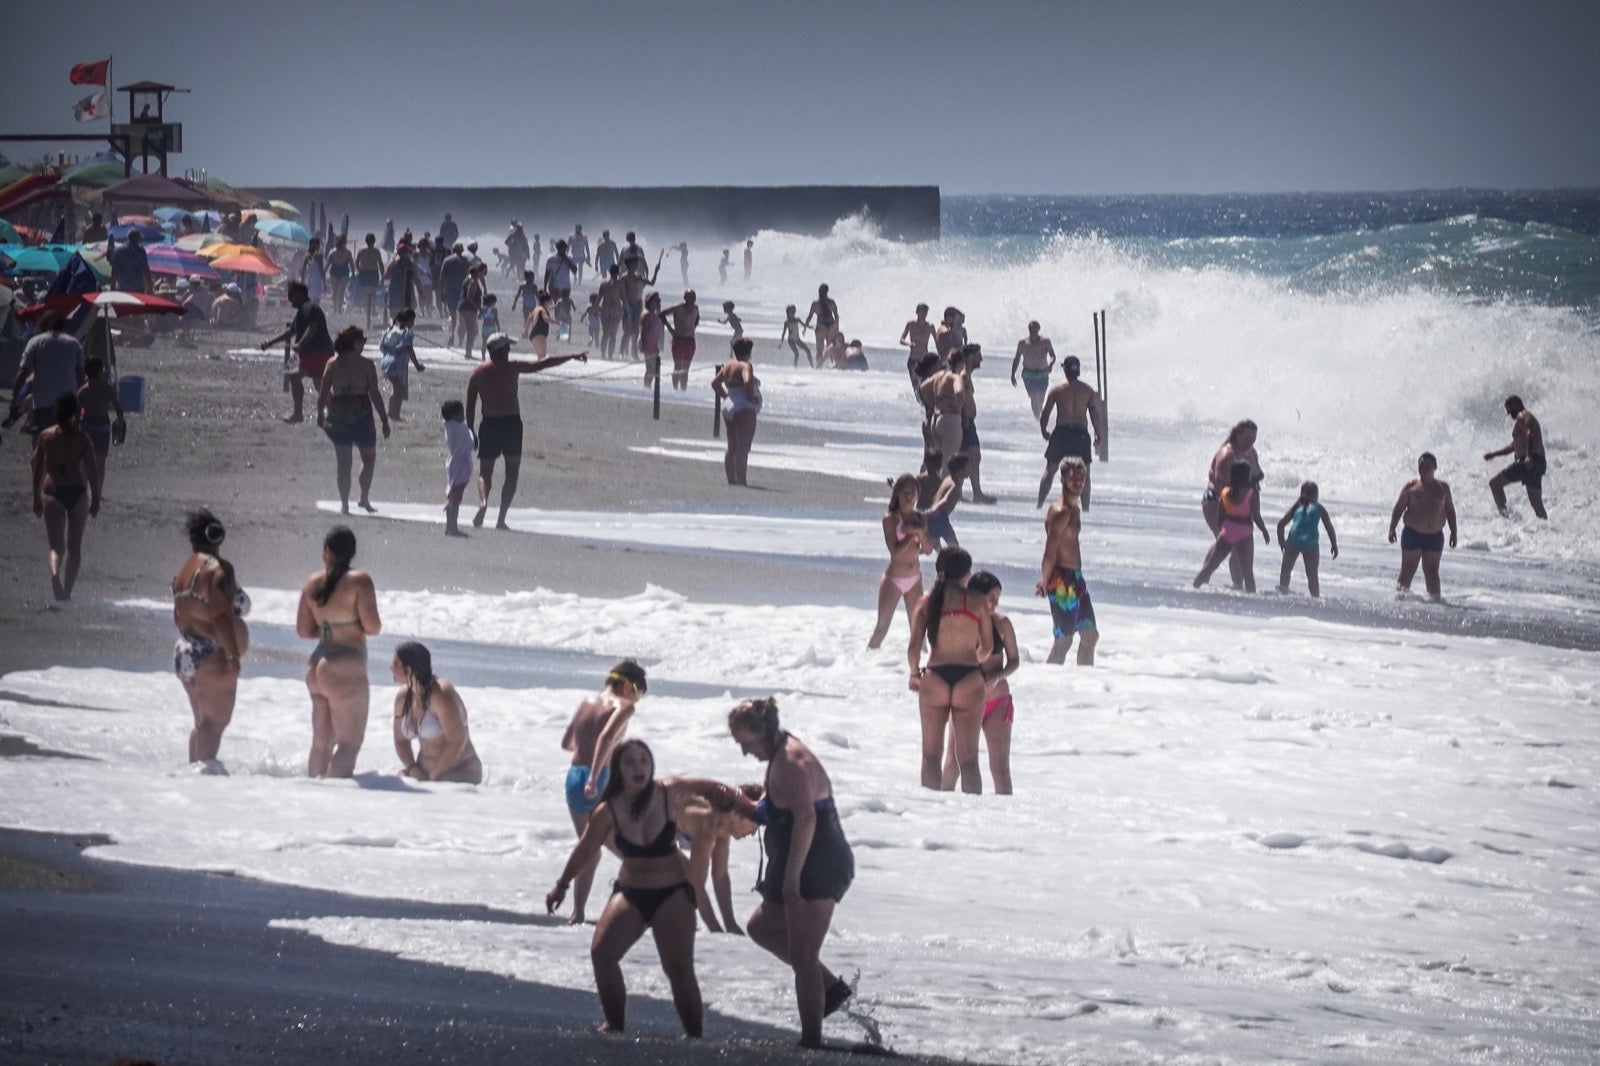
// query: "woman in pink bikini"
[[1240, 506], [907, 539]]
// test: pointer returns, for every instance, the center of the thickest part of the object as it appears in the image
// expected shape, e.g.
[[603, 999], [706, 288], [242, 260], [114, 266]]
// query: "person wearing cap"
[[1075, 405], [1035, 357], [500, 433]]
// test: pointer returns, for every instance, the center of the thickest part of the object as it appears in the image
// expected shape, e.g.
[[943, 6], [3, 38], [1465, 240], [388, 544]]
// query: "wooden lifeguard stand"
[[147, 132]]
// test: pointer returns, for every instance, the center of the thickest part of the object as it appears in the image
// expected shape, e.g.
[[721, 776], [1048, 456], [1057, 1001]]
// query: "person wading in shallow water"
[[1426, 507]]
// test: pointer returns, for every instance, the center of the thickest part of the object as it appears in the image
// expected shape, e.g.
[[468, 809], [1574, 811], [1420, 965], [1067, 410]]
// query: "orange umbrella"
[[245, 264], [217, 251]]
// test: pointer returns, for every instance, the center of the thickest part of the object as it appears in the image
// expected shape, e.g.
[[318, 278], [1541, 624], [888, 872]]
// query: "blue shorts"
[[577, 780], [1412, 541], [939, 528]]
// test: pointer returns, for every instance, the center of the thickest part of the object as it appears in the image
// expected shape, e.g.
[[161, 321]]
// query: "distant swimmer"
[[825, 312], [915, 337], [723, 264], [1076, 406], [1036, 357], [430, 722], [1528, 465], [209, 609], [749, 257], [907, 540], [971, 446], [1301, 520], [683, 262], [1241, 516], [1061, 571], [578, 243], [598, 726], [500, 432], [339, 608], [1426, 507], [605, 254]]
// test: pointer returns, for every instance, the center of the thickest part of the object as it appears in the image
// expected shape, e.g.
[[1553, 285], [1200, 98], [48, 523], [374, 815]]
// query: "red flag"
[[91, 73]]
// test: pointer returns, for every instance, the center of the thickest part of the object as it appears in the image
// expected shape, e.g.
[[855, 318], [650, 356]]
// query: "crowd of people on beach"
[[961, 648]]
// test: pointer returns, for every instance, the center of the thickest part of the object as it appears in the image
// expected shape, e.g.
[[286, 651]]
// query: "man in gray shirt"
[[54, 360]]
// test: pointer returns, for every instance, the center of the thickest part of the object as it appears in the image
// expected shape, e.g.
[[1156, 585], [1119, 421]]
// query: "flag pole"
[[111, 97]]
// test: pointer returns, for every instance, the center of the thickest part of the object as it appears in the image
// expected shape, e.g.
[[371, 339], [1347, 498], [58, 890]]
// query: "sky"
[[1143, 96]]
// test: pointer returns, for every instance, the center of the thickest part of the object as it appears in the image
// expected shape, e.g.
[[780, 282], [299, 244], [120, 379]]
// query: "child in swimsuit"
[[458, 468], [791, 336], [1301, 542], [1241, 515]]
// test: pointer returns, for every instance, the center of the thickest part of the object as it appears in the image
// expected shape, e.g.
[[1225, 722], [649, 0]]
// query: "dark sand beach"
[[103, 960]]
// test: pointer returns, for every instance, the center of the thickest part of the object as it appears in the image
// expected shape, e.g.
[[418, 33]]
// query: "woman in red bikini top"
[[959, 632]]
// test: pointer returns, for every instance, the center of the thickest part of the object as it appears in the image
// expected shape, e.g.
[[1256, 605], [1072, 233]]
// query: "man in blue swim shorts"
[[598, 725]]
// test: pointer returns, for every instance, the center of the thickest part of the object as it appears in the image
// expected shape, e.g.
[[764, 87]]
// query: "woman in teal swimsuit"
[[339, 607], [959, 632]]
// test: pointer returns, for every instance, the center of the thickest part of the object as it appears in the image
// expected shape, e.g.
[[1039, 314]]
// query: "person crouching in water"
[[429, 712], [637, 816], [1241, 510]]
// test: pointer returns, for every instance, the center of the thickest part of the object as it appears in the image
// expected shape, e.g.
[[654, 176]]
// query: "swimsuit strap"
[[194, 579], [963, 609]]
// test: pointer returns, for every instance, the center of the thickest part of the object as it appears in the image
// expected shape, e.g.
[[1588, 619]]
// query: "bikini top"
[[962, 610], [664, 844], [428, 729], [241, 598]]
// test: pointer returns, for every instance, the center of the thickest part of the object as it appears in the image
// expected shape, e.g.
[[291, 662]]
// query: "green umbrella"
[[10, 172], [97, 175]]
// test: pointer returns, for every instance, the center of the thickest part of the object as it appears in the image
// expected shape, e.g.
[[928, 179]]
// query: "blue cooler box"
[[130, 393]]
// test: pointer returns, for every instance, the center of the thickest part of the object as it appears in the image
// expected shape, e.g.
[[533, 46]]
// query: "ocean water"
[[1261, 829]]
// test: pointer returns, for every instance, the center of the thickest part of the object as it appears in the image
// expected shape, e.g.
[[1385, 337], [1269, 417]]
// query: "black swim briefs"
[[1069, 440]]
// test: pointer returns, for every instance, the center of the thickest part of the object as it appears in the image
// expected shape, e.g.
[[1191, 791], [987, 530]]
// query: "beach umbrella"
[[168, 215], [245, 264], [148, 233], [262, 214], [175, 261], [111, 302], [62, 252], [196, 241], [284, 207], [94, 174], [8, 233], [207, 216], [10, 172], [217, 251], [143, 220], [284, 230], [31, 260]]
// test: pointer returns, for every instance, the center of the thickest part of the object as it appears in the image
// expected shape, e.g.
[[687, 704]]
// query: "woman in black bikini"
[[637, 816], [209, 608], [66, 492], [809, 863], [959, 631], [339, 607]]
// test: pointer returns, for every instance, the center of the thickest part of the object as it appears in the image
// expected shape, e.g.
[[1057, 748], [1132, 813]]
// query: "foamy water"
[[1258, 830]]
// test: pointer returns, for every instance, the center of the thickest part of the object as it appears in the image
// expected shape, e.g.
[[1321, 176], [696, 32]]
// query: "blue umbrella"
[[284, 230], [31, 260], [148, 233], [170, 214]]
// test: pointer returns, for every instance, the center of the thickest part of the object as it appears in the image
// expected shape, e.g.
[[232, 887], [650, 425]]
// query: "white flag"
[[90, 107]]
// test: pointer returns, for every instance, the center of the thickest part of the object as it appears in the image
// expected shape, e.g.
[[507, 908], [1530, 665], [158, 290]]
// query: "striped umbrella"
[[170, 259]]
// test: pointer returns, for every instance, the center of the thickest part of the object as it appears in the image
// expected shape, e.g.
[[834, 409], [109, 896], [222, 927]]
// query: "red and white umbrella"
[[111, 302]]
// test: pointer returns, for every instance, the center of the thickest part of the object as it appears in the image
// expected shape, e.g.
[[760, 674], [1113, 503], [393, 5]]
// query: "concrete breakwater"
[[720, 213]]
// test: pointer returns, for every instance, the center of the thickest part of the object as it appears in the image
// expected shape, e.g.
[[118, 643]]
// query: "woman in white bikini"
[[430, 722]]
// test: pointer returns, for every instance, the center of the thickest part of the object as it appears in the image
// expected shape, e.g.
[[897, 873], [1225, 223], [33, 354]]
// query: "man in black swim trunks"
[[500, 433], [1075, 405], [1528, 465]]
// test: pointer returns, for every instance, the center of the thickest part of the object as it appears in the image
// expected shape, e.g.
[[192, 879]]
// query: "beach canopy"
[[155, 189]]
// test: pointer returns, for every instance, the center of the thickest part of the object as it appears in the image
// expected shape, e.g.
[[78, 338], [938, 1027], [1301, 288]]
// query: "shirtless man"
[[916, 335], [682, 320], [970, 445], [605, 254], [500, 433], [578, 247], [1527, 450], [610, 293], [1427, 508], [369, 272], [597, 727], [951, 334], [1061, 572], [1036, 357], [634, 282], [749, 257], [1075, 405], [826, 313]]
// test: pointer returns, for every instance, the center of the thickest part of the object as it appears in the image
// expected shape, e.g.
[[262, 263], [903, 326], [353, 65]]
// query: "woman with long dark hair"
[[339, 607], [209, 608], [429, 714], [809, 863], [905, 534], [959, 632], [638, 815]]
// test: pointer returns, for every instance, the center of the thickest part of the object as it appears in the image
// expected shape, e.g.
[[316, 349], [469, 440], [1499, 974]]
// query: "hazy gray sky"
[[975, 97]]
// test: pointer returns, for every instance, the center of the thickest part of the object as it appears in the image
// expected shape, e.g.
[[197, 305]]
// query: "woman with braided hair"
[[339, 607]]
